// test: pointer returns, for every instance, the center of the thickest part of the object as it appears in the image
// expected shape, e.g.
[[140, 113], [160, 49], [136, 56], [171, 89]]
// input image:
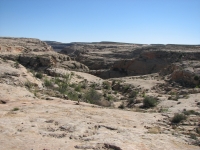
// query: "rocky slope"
[[49, 101], [36, 54]]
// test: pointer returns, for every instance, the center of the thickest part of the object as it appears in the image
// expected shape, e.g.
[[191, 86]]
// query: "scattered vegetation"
[[121, 106], [16, 64], [126, 88], [143, 94], [92, 96], [196, 78], [39, 75], [106, 85], [154, 130], [149, 102], [190, 112], [72, 95], [28, 84], [198, 130], [178, 118], [78, 88], [63, 87], [133, 94], [15, 109], [109, 97], [193, 136], [162, 110], [48, 83]]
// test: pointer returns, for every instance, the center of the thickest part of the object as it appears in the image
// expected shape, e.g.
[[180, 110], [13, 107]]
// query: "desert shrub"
[[39, 75], [57, 81], [28, 84], [198, 130], [126, 88], [106, 85], [72, 95], [84, 85], [15, 109], [47, 82], [92, 95], [16, 64], [130, 101], [178, 118], [196, 78], [172, 93], [143, 94], [66, 77], [73, 85], [77, 88], [113, 82], [93, 85], [149, 102], [191, 112], [121, 106], [193, 136], [109, 97], [163, 110], [63, 87], [133, 94], [115, 92]]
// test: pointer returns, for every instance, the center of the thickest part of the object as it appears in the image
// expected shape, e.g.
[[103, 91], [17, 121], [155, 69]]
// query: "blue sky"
[[133, 21]]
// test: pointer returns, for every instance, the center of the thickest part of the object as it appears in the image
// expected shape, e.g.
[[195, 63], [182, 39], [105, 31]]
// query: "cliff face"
[[18, 45], [153, 61], [36, 54]]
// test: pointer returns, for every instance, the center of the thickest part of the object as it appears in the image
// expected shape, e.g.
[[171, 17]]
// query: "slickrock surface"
[[60, 124]]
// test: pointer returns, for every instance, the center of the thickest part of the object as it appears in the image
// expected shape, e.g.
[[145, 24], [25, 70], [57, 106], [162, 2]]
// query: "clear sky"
[[133, 21]]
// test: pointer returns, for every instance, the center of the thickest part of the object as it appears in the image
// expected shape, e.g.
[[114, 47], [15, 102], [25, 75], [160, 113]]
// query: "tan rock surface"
[[60, 124]]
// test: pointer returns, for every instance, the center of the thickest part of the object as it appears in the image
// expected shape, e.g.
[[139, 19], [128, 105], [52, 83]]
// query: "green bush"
[[73, 85], [191, 112], [78, 88], [72, 95], [198, 130], [121, 106], [149, 102], [92, 96], [48, 83], [196, 78], [39, 75], [15, 109], [84, 85], [126, 88], [106, 85], [178, 118], [28, 84], [66, 78], [133, 94], [63, 87], [16, 64], [193, 136], [130, 101], [109, 97]]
